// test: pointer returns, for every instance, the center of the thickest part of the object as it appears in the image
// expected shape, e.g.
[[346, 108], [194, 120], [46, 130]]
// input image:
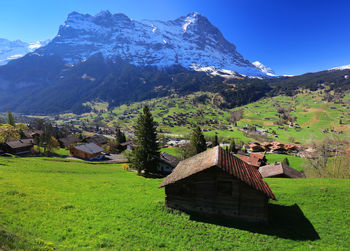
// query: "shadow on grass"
[[287, 222]]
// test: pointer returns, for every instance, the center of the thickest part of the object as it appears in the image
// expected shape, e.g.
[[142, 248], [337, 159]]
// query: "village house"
[[255, 147], [216, 183], [21, 146], [97, 139], [128, 145], [167, 163], [280, 170], [266, 146], [254, 159], [31, 133], [67, 142], [89, 151]]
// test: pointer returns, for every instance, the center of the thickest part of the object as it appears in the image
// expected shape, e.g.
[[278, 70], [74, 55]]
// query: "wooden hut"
[[167, 163], [280, 170], [21, 146], [89, 151], [216, 183]]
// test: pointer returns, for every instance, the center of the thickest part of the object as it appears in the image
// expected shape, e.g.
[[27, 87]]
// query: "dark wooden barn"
[[280, 170], [89, 151], [21, 146], [216, 183]]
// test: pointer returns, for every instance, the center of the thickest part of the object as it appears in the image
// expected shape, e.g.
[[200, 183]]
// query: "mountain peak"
[[191, 41], [103, 13]]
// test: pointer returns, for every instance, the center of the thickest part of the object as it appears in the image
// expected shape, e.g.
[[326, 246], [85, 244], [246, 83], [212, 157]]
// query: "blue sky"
[[292, 37]]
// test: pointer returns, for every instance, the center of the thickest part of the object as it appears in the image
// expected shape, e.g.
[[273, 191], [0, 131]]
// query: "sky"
[[291, 36]]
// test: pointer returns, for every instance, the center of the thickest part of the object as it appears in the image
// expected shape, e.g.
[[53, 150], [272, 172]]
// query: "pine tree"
[[10, 118], [120, 137], [146, 154], [216, 141], [232, 147], [198, 140]]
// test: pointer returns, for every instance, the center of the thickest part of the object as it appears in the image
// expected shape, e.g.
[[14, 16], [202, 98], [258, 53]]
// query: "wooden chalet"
[[266, 145], [167, 163], [89, 151], [69, 141], [98, 139], [216, 183], [280, 170], [255, 147], [21, 146], [128, 145], [31, 133]]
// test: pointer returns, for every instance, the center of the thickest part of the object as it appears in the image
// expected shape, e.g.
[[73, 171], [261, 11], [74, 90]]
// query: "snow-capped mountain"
[[264, 68], [10, 50], [190, 41], [340, 68]]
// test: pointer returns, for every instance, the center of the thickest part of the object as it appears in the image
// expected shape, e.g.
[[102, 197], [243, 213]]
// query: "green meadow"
[[51, 203]]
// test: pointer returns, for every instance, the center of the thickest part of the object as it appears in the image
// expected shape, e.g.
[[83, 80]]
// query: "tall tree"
[[198, 140], [216, 141], [10, 118], [146, 153], [120, 137]]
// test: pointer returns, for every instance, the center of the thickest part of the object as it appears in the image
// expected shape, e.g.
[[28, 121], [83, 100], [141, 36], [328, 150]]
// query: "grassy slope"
[[313, 115], [47, 203]]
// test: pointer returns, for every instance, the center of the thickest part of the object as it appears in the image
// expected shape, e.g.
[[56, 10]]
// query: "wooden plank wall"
[[213, 192]]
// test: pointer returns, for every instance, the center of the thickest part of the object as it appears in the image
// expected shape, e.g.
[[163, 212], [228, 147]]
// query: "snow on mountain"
[[344, 67], [265, 69], [191, 41], [10, 50]]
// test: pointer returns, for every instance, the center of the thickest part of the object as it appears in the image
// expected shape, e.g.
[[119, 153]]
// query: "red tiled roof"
[[250, 160], [226, 162]]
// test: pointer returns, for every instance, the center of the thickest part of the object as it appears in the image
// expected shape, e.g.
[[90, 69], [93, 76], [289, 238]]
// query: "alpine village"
[[125, 134]]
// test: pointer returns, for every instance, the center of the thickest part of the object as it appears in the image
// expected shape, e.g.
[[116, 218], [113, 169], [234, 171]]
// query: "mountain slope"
[[10, 50], [190, 41]]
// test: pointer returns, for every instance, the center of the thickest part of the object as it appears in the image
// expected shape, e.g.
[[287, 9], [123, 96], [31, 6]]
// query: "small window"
[[225, 188]]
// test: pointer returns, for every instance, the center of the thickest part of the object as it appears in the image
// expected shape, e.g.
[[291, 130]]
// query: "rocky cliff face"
[[190, 41]]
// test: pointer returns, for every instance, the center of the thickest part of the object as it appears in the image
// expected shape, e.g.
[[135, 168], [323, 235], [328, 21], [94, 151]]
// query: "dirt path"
[[317, 114]]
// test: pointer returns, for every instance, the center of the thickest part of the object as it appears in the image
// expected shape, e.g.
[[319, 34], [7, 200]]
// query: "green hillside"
[[48, 204], [179, 114]]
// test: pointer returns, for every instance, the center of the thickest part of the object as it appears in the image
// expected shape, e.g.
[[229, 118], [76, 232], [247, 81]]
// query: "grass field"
[[48, 203], [294, 161]]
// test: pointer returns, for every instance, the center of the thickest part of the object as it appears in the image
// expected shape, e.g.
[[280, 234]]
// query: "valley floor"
[[48, 203]]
